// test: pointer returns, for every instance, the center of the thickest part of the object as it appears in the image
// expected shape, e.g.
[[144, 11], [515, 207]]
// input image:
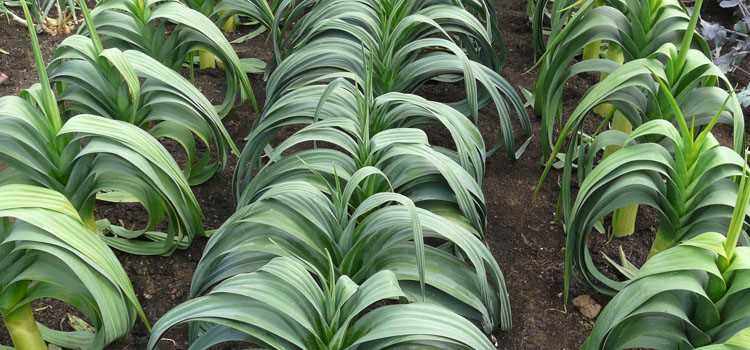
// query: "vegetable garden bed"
[[523, 234]]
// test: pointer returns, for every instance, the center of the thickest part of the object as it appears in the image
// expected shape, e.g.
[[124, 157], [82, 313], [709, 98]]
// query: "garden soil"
[[523, 233]]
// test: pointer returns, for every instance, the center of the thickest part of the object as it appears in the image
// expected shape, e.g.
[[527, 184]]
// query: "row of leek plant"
[[89, 131], [355, 232], [139, 92], [423, 41], [692, 291], [49, 249], [662, 101], [92, 75], [644, 41], [549, 17], [658, 35]]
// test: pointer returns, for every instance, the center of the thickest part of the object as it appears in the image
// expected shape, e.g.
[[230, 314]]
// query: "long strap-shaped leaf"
[[681, 299], [280, 307], [95, 82], [71, 262], [132, 24], [688, 203], [404, 45], [365, 197], [156, 181]]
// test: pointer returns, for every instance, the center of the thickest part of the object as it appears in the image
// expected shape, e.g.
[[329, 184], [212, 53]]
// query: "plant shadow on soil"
[[523, 233]]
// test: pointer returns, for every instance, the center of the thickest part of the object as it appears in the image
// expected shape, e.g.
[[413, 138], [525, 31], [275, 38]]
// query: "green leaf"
[[66, 261]]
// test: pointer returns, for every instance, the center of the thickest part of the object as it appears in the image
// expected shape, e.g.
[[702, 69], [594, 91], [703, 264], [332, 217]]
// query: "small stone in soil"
[[587, 306], [3, 78]]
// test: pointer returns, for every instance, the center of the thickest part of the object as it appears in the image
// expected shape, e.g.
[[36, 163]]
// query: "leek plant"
[[207, 7], [635, 29], [227, 14], [86, 157], [133, 87], [90, 157], [628, 95], [634, 98], [385, 232], [456, 278], [409, 44], [259, 13], [691, 296], [142, 26], [547, 17], [47, 251], [286, 304], [367, 204], [685, 175], [368, 131]]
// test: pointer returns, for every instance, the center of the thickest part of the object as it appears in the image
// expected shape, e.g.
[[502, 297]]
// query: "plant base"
[[23, 329], [623, 221], [207, 60], [660, 244], [230, 25]]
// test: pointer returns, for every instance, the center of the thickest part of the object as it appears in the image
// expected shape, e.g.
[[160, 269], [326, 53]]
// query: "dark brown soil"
[[522, 233], [18, 63]]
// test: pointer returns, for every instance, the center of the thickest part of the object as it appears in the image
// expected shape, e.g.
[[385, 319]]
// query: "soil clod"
[[587, 306]]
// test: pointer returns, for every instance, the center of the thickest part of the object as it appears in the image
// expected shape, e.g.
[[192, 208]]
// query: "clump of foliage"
[[423, 42], [686, 176], [48, 251], [49, 248], [693, 295], [228, 14], [357, 207], [647, 41], [133, 87], [94, 147], [143, 26], [283, 306], [606, 36]]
